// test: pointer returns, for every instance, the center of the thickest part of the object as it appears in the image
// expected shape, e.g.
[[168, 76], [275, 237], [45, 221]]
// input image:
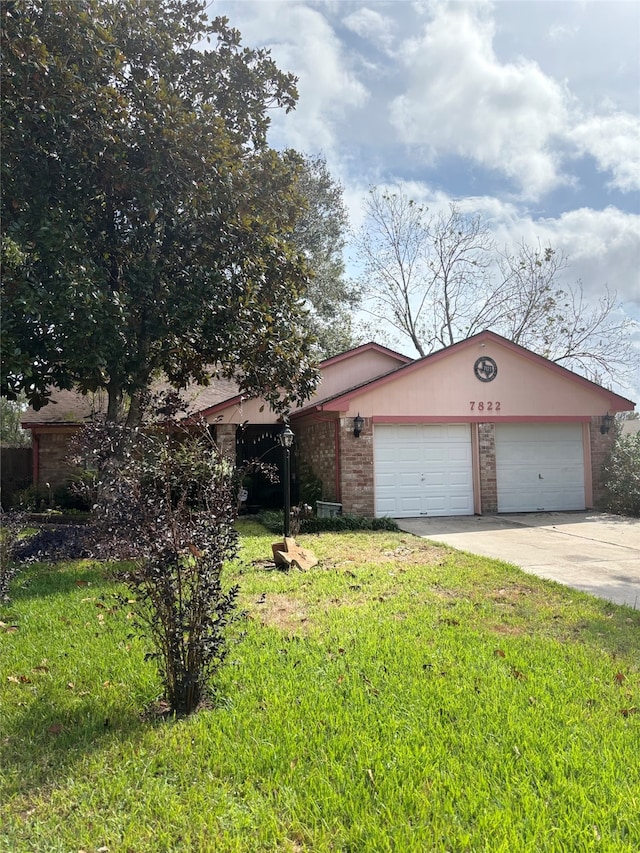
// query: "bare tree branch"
[[438, 279]]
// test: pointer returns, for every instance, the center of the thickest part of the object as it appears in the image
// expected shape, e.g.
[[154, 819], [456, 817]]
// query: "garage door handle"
[[540, 477]]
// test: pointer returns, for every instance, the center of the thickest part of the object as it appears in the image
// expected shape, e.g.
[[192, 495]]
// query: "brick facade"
[[488, 478], [316, 448], [391, 389], [356, 461], [53, 451]]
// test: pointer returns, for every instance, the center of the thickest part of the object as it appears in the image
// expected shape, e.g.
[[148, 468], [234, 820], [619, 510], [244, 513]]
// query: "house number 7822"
[[481, 406]]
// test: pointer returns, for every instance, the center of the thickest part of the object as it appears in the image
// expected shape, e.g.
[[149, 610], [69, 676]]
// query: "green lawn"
[[399, 697]]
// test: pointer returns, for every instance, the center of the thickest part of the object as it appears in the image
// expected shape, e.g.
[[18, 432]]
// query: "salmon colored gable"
[[458, 385], [362, 364]]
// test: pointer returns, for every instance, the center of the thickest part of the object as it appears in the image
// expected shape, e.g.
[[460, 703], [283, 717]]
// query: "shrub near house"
[[621, 476], [166, 500]]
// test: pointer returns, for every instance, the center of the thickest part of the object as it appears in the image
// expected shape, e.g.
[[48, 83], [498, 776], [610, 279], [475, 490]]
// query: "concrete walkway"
[[590, 551]]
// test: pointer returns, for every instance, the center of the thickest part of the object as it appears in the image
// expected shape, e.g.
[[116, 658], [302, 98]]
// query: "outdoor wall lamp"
[[358, 423], [607, 421]]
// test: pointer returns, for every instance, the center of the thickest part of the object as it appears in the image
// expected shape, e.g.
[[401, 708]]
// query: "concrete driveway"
[[590, 551]]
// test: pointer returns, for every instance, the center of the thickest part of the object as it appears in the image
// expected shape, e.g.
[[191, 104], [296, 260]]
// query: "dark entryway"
[[16, 467], [257, 442]]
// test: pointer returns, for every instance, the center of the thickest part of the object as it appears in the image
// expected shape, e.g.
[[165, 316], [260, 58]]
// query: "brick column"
[[53, 465], [226, 441], [600, 447], [488, 479], [317, 453], [356, 457]]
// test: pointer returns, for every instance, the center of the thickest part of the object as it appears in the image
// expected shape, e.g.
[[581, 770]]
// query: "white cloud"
[[603, 246], [614, 142], [559, 32], [491, 103], [371, 25], [461, 100]]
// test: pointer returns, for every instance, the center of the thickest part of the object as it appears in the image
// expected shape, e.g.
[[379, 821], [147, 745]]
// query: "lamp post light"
[[286, 442]]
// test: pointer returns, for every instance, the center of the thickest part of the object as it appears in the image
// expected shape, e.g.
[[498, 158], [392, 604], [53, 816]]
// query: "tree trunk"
[[134, 415], [115, 402]]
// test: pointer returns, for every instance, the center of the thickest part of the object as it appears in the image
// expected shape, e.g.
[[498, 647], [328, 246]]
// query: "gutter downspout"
[[338, 461]]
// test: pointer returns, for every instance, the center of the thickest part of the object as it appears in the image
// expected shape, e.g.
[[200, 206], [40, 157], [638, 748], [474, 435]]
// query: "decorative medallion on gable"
[[485, 369]]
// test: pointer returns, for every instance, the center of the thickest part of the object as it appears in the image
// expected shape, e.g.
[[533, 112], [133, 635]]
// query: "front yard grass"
[[400, 697]]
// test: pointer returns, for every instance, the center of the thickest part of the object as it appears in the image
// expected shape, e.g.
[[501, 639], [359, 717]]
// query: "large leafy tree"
[[436, 279], [146, 224], [320, 234]]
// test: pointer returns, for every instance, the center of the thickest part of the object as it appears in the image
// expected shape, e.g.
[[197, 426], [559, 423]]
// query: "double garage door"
[[427, 469]]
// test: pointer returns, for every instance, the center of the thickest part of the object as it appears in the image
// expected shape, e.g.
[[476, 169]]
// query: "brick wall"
[[226, 440], [356, 456], [317, 451], [600, 447], [53, 450], [488, 479]]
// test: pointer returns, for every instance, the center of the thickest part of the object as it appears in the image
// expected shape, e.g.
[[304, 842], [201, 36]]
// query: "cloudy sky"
[[527, 112]]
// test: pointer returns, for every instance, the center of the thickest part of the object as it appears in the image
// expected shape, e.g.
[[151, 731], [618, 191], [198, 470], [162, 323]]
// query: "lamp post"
[[286, 441]]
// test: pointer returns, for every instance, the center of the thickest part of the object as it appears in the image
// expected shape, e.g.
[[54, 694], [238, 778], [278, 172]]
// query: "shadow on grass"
[[41, 745], [48, 723], [74, 681], [41, 579]]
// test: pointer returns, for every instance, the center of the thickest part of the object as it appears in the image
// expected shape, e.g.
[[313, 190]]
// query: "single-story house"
[[482, 426]]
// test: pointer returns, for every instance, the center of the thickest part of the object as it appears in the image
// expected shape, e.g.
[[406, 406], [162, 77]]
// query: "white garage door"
[[539, 467], [423, 470]]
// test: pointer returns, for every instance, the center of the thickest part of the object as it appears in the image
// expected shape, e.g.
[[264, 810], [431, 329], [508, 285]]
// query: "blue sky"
[[526, 112]]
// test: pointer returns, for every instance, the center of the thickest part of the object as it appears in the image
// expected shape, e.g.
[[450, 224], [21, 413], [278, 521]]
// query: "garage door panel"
[[434, 506], [461, 505], [435, 479], [423, 469], [433, 455], [545, 455], [461, 479], [408, 479], [409, 506], [458, 453], [408, 453], [387, 506], [539, 467]]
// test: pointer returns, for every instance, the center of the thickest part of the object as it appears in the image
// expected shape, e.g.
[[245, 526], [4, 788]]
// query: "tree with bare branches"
[[436, 279]]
